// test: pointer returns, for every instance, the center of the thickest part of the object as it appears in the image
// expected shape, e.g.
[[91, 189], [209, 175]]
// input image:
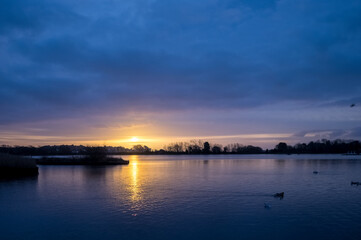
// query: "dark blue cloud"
[[61, 58]]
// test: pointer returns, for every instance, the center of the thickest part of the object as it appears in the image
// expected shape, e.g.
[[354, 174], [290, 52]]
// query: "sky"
[[104, 71]]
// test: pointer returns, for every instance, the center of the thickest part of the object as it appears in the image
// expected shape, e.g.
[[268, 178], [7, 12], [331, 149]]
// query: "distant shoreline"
[[351, 147], [191, 154]]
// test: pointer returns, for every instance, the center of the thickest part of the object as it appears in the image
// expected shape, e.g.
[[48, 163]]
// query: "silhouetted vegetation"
[[139, 149], [96, 154], [191, 147], [322, 146]]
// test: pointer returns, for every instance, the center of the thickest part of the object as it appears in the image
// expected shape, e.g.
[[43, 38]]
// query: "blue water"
[[188, 197]]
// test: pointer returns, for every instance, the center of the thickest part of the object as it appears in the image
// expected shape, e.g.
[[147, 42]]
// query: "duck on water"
[[279, 195]]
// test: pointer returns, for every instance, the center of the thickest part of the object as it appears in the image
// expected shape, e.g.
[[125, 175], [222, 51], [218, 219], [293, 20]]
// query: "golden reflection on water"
[[128, 185], [135, 185]]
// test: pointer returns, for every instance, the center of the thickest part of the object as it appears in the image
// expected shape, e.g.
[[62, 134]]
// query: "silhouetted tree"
[[225, 149], [281, 147], [216, 149], [206, 147], [141, 149], [194, 147], [177, 147]]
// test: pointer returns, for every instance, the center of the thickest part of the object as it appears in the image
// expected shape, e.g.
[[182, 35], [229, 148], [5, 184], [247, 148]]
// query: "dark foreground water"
[[188, 197]]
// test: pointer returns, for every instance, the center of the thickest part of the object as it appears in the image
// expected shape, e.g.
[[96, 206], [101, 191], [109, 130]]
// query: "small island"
[[17, 166], [94, 156], [81, 161]]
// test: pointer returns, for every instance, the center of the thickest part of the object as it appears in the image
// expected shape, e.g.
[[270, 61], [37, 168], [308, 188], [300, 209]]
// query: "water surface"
[[188, 197]]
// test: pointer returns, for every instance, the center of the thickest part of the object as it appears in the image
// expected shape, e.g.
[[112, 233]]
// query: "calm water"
[[188, 197]]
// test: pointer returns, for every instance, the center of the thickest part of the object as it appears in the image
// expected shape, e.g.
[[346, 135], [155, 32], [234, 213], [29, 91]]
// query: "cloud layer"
[[87, 59]]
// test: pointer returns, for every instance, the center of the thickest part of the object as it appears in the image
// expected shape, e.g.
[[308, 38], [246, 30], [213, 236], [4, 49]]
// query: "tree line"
[[193, 147], [322, 146]]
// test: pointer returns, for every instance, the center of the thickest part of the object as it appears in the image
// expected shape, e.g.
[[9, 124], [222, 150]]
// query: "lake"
[[188, 197]]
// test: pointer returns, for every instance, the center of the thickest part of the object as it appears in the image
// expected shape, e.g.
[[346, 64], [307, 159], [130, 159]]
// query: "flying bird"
[[352, 105]]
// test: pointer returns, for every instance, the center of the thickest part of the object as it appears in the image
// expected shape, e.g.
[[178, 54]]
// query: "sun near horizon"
[[134, 139]]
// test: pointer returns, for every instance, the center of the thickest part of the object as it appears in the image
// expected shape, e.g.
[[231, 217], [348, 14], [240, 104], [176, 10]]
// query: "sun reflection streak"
[[135, 187], [128, 186]]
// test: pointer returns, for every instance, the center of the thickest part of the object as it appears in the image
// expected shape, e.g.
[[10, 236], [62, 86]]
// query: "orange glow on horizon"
[[129, 140]]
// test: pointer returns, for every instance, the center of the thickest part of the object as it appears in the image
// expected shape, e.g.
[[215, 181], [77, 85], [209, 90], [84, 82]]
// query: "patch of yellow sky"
[[155, 142], [159, 142]]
